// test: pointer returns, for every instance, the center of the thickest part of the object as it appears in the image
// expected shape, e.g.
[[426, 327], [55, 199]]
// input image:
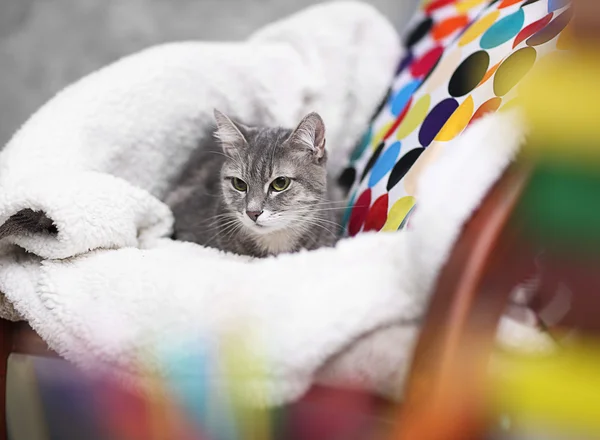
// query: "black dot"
[[419, 31], [382, 104], [529, 2], [402, 166], [347, 178], [470, 73], [436, 119], [372, 160]]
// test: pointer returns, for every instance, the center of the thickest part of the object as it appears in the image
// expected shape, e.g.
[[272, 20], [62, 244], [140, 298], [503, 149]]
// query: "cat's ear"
[[229, 133], [310, 133]]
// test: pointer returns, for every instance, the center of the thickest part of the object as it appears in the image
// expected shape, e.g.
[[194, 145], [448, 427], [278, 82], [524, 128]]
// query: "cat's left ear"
[[229, 133], [310, 133]]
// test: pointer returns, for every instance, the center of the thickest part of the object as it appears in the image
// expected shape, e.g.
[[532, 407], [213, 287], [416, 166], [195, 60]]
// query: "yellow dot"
[[510, 105], [380, 134], [466, 5], [398, 213], [478, 28], [415, 116], [457, 122]]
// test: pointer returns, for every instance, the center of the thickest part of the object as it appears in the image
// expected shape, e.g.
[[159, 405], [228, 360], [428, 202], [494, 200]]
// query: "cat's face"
[[273, 179]]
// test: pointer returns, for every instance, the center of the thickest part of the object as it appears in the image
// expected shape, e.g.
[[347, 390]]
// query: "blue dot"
[[553, 5], [401, 98], [362, 146], [503, 30], [384, 164]]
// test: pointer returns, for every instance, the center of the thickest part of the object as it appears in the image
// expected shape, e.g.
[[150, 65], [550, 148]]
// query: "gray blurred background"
[[46, 44]]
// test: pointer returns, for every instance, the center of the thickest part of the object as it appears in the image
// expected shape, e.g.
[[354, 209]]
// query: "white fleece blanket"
[[98, 158]]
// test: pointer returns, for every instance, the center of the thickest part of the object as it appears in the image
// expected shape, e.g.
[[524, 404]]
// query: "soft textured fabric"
[[98, 158], [108, 291], [464, 59]]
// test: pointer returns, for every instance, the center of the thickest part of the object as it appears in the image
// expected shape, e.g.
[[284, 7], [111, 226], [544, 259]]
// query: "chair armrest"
[[458, 334]]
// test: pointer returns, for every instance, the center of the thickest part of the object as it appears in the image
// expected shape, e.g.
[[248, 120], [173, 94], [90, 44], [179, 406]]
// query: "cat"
[[258, 191]]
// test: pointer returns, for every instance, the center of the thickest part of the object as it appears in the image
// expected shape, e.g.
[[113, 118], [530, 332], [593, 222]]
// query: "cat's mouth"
[[264, 227], [264, 224]]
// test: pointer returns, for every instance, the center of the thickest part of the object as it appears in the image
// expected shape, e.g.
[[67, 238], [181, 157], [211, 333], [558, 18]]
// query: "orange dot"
[[490, 106], [489, 74], [449, 26], [507, 3]]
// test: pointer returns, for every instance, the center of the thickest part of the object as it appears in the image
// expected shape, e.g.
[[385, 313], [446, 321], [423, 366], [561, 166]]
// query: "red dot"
[[359, 213], [533, 28], [398, 120], [377, 214], [423, 65], [489, 106], [437, 4]]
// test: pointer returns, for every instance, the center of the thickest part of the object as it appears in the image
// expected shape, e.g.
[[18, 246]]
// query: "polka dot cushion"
[[463, 60]]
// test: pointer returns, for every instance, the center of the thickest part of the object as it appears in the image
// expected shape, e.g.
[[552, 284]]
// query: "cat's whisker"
[[302, 219], [307, 211], [223, 223], [307, 224], [211, 226], [324, 202], [237, 161], [301, 215], [231, 226], [310, 230], [215, 218], [321, 222], [219, 221], [233, 231], [252, 157]]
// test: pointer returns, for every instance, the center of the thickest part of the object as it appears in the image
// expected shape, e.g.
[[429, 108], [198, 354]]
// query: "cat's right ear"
[[310, 134], [229, 134]]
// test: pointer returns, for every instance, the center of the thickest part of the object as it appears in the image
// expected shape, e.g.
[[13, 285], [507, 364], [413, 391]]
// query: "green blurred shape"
[[560, 208]]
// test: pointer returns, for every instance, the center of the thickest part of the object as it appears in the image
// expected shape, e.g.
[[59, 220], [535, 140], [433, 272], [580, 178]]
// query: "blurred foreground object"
[[542, 217], [559, 393]]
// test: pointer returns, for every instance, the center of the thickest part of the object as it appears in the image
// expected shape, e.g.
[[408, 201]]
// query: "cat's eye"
[[281, 184], [239, 184]]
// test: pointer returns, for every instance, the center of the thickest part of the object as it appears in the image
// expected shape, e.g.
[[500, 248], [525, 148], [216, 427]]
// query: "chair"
[[444, 398]]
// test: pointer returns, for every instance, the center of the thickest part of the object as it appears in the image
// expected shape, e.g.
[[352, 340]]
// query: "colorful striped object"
[[202, 393]]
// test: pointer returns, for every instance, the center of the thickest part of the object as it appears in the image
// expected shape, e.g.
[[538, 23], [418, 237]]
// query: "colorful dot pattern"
[[464, 59]]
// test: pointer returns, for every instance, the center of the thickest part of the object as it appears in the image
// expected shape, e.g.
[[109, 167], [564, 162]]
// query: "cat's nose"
[[254, 215]]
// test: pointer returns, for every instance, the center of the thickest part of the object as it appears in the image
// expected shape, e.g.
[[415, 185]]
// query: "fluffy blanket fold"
[[103, 286]]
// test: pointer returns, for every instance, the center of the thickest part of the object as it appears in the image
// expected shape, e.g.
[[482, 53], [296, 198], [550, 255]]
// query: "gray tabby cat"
[[258, 191]]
